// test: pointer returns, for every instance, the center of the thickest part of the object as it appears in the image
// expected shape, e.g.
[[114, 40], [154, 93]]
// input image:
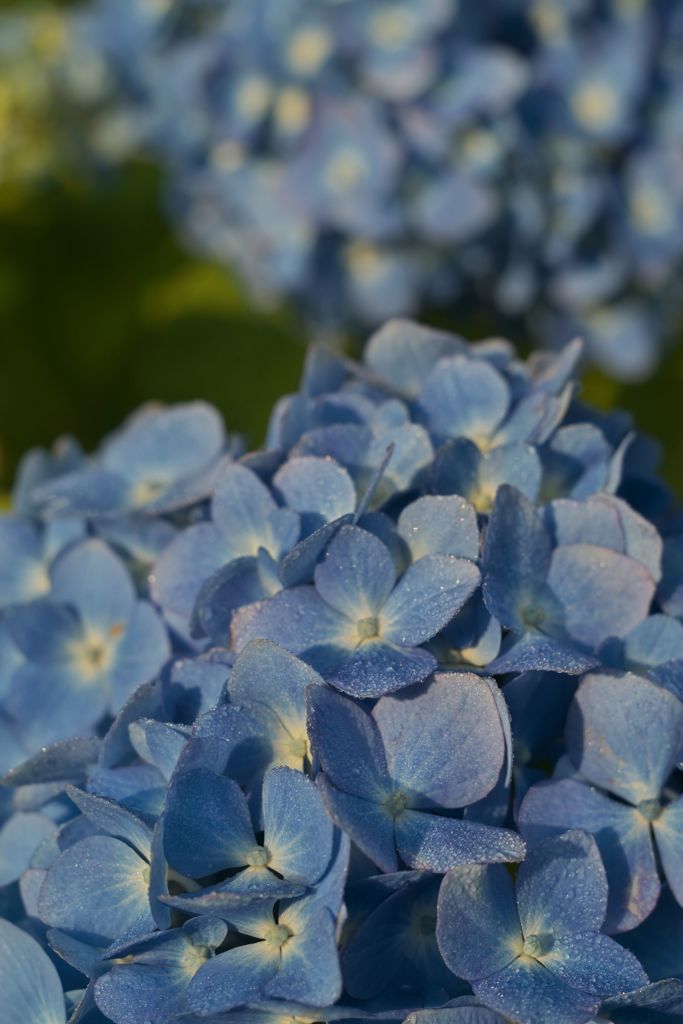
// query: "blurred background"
[[102, 307]]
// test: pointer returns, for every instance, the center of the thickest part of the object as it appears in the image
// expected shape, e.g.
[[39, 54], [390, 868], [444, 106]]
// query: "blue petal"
[[92, 579], [478, 927], [432, 843], [330, 891], [668, 829], [402, 353], [184, 566], [622, 835], [514, 464], [464, 397], [602, 593], [158, 743], [23, 573], [270, 675], [443, 741], [233, 978], [165, 443], [241, 509], [31, 989], [347, 743], [356, 575], [239, 583], [98, 890], [465, 1014], [440, 525], [654, 641], [41, 630], [299, 620], [253, 886], [594, 963], [659, 1003], [67, 761], [140, 655], [562, 886], [309, 972], [297, 831], [369, 825], [536, 652], [92, 491], [108, 817], [207, 824], [396, 943], [607, 522], [298, 565], [625, 734], [319, 489], [516, 556], [426, 598], [376, 668], [50, 703], [527, 991], [155, 987], [19, 838]]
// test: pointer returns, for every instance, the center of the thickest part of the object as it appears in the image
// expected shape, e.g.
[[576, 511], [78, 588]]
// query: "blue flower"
[[86, 646], [632, 809], [207, 829], [196, 824], [358, 626], [160, 460], [365, 162], [535, 951], [294, 958], [559, 603], [387, 775]]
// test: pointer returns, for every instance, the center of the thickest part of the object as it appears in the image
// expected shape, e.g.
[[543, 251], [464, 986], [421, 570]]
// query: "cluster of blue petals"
[[383, 721], [371, 158]]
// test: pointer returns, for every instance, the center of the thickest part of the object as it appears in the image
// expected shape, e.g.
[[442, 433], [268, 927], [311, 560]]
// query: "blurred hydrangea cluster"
[[368, 158], [381, 721]]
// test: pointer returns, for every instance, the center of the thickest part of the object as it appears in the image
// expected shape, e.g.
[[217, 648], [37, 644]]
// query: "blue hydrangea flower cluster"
[[381, 721], [369, 158]]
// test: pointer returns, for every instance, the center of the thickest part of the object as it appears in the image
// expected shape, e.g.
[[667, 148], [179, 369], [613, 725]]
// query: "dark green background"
[[101, 309]]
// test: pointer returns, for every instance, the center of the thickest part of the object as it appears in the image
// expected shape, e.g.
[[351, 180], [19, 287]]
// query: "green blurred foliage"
[[101, 309]]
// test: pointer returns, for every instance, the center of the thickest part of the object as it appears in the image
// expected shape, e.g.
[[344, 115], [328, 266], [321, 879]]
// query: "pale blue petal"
[[98, 890], [92, 579], [429, 842], [319, 489], [478, 927], [624, 734], [622, 835], [297, 831], [369, 825], [426, 598], [668, 829], [207, 824], [594, 963], [602, 593], [376, 668], [31, 989], [356, 575], [525, 990], [347, 743], [443, 741], [440, 525], [233, 978], [562, 886]]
